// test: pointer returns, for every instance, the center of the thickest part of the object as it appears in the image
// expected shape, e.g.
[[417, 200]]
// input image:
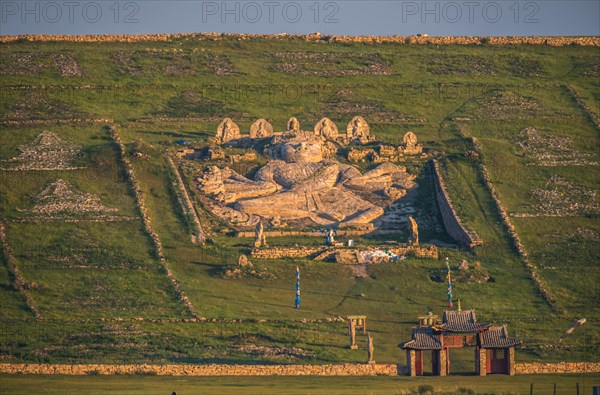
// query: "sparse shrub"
[[425, 389]]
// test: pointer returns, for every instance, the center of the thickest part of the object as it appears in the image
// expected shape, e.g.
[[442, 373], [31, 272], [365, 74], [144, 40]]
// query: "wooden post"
[[411, 362], [352, 333]]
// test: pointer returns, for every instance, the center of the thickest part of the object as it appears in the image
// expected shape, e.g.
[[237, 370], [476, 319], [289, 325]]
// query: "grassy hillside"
[[81, 274]]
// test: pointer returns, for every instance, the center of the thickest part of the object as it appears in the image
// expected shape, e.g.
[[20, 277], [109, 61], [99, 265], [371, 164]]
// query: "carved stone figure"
[[409, 140], [358, 128], [410, 144], [211, 181], [227, 131], [298, 183], [330, 237], [326, 128], [413, 235], [243, 261], [260, 239], [293, 124], [261, 129]]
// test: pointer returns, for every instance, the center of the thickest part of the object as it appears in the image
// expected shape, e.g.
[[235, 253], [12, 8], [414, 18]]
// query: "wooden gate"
[[497, 360], [419, 362]]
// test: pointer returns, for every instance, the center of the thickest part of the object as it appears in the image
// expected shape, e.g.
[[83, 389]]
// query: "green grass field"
[[130, 385], [158, 93]]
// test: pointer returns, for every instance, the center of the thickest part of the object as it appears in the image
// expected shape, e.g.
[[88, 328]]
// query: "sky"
[[342, 17]]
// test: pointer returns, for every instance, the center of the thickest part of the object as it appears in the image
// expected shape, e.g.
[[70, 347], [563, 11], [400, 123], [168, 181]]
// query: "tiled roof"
[[497, 337], [461, 321], [424, 339]]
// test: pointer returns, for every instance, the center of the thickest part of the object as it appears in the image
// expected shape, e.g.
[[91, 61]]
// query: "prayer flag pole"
[[449, 279], [297, 302]]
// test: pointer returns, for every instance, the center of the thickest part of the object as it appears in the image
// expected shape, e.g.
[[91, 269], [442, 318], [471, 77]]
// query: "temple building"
[[494, 350]]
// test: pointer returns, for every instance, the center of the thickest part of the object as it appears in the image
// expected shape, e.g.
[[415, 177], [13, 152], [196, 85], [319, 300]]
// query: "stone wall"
[[18, 283], [282, 252], [559, 367], [210, 370], [512, 232], [316, 37], [272, 370], [29, 122], [186, 205], [311, 252], [285, 233], [141, 204], [451, 221]]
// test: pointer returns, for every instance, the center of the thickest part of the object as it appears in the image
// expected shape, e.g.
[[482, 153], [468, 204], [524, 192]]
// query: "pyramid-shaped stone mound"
[[47, 152], [62, 198]]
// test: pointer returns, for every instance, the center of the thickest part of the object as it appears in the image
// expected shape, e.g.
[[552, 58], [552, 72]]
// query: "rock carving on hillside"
[[326, 128], [261, 129], [301, 183], [358, 129], [227, 131], [411, 145], [293, 124]]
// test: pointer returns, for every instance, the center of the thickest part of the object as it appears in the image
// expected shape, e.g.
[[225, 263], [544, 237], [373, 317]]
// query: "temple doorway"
[[462, 361]]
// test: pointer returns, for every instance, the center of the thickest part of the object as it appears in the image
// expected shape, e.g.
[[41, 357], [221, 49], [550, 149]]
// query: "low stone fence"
[[19, 283], [27, 122], [411, 40], [185, 203], [140, 202], [288, 233], [450, 218], [559, 367], [271, 370], [429, 251], [209, 370]]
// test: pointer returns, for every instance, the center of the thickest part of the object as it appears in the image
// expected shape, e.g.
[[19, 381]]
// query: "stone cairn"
[[47, 152], [62, 198]]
